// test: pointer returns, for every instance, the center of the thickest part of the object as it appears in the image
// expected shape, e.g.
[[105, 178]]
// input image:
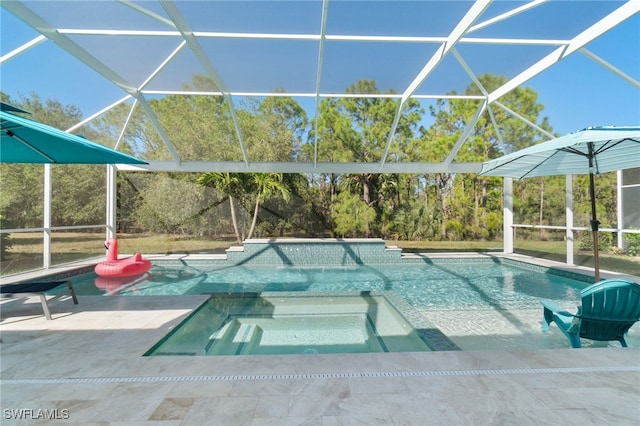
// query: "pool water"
[[473, 304], [454, 286]]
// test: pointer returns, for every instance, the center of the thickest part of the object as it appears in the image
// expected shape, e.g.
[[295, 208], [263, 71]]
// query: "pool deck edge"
[[88, 360]]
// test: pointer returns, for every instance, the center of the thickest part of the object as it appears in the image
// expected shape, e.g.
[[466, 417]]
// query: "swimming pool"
[[462, 284], [469, 303]]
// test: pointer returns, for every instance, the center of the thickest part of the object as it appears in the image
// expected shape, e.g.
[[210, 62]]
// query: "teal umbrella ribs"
[[28, 141]]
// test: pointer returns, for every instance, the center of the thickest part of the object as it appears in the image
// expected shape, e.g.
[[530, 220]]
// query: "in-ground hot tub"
[[269, 323]]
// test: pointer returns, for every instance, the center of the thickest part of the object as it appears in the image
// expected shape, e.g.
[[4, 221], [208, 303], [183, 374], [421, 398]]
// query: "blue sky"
[[576, 93]]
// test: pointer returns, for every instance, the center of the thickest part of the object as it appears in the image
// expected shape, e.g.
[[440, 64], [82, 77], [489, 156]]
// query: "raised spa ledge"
[[313, 251]]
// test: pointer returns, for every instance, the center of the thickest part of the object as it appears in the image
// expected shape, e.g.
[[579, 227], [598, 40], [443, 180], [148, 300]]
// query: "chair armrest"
[[548, 304]]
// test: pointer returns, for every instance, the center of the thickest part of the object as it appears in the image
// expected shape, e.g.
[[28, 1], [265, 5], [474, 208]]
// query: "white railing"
[[46, 237]]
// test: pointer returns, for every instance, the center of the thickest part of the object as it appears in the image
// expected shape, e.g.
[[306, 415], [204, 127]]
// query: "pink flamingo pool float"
[[128, 266]]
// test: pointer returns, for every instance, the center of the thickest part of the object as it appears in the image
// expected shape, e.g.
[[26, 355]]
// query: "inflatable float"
[[125, 267], [111, 285]]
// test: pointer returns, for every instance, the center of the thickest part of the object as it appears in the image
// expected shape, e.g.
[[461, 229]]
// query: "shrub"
[[5, 241], [454, 229], [605, 240], [633, 244], [476, 232]]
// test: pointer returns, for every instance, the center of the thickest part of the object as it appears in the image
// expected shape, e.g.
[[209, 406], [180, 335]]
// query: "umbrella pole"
[[594, 227]]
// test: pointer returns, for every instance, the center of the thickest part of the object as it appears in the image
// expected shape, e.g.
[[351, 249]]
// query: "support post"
[[507, 215], [619, 210], [568, 192], [111, 201], [46, 219]]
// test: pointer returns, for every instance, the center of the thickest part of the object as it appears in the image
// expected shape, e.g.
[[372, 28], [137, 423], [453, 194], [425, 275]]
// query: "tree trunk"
[[444, 205], [541, 206], [255, 217], [476, 206], [234, 220], [366, 196], [484, 193]]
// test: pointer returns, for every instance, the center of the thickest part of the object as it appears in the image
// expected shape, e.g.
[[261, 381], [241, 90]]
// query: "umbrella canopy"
[[610, 148], [11, 108], [590, 151], [28, 141]]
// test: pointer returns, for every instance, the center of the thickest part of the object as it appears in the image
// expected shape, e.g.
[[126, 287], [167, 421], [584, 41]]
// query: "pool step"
[[231, 338], [222, 331], [245, 333]]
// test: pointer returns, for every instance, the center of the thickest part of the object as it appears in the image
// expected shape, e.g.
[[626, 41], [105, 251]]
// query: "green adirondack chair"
[[609, 308]]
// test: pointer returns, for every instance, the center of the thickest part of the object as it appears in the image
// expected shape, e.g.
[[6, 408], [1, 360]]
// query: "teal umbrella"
[[28, 141], [11, 108], [590, 151]]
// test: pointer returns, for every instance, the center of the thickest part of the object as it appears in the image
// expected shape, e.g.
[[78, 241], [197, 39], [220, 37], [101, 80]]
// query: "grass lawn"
[[26, 249]]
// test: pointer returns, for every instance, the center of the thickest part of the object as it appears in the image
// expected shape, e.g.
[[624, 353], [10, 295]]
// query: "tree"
[[350, 129], [242, 186], [267, 185], [5, 240], [476, 196], [358, 129], [231, 184], [351, 215], [171, 204], [414, 221], [286, 120], [200, 128]]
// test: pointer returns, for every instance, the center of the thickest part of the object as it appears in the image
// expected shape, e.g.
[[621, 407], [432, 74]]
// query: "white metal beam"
[[465, 133], [311, 37], [164, 63], [43, 27], [182, 26], [46, 216], [144, 11], [507, 215], [568, 197], [111, 201], [15, 52], [114, 32], [28, 16], [513, 41], [126, 124], [495, 126], [156, 123], [509, 14], [302, 167], [619, 15], [323, 28], [102, 111], [460, 29], [619, 209], [484, 91], [524, 120], [310, 94], [610, 67], [469, 72]]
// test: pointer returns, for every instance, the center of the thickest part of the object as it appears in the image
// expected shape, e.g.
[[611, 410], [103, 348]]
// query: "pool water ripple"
[[441, 286], [476, 304]]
